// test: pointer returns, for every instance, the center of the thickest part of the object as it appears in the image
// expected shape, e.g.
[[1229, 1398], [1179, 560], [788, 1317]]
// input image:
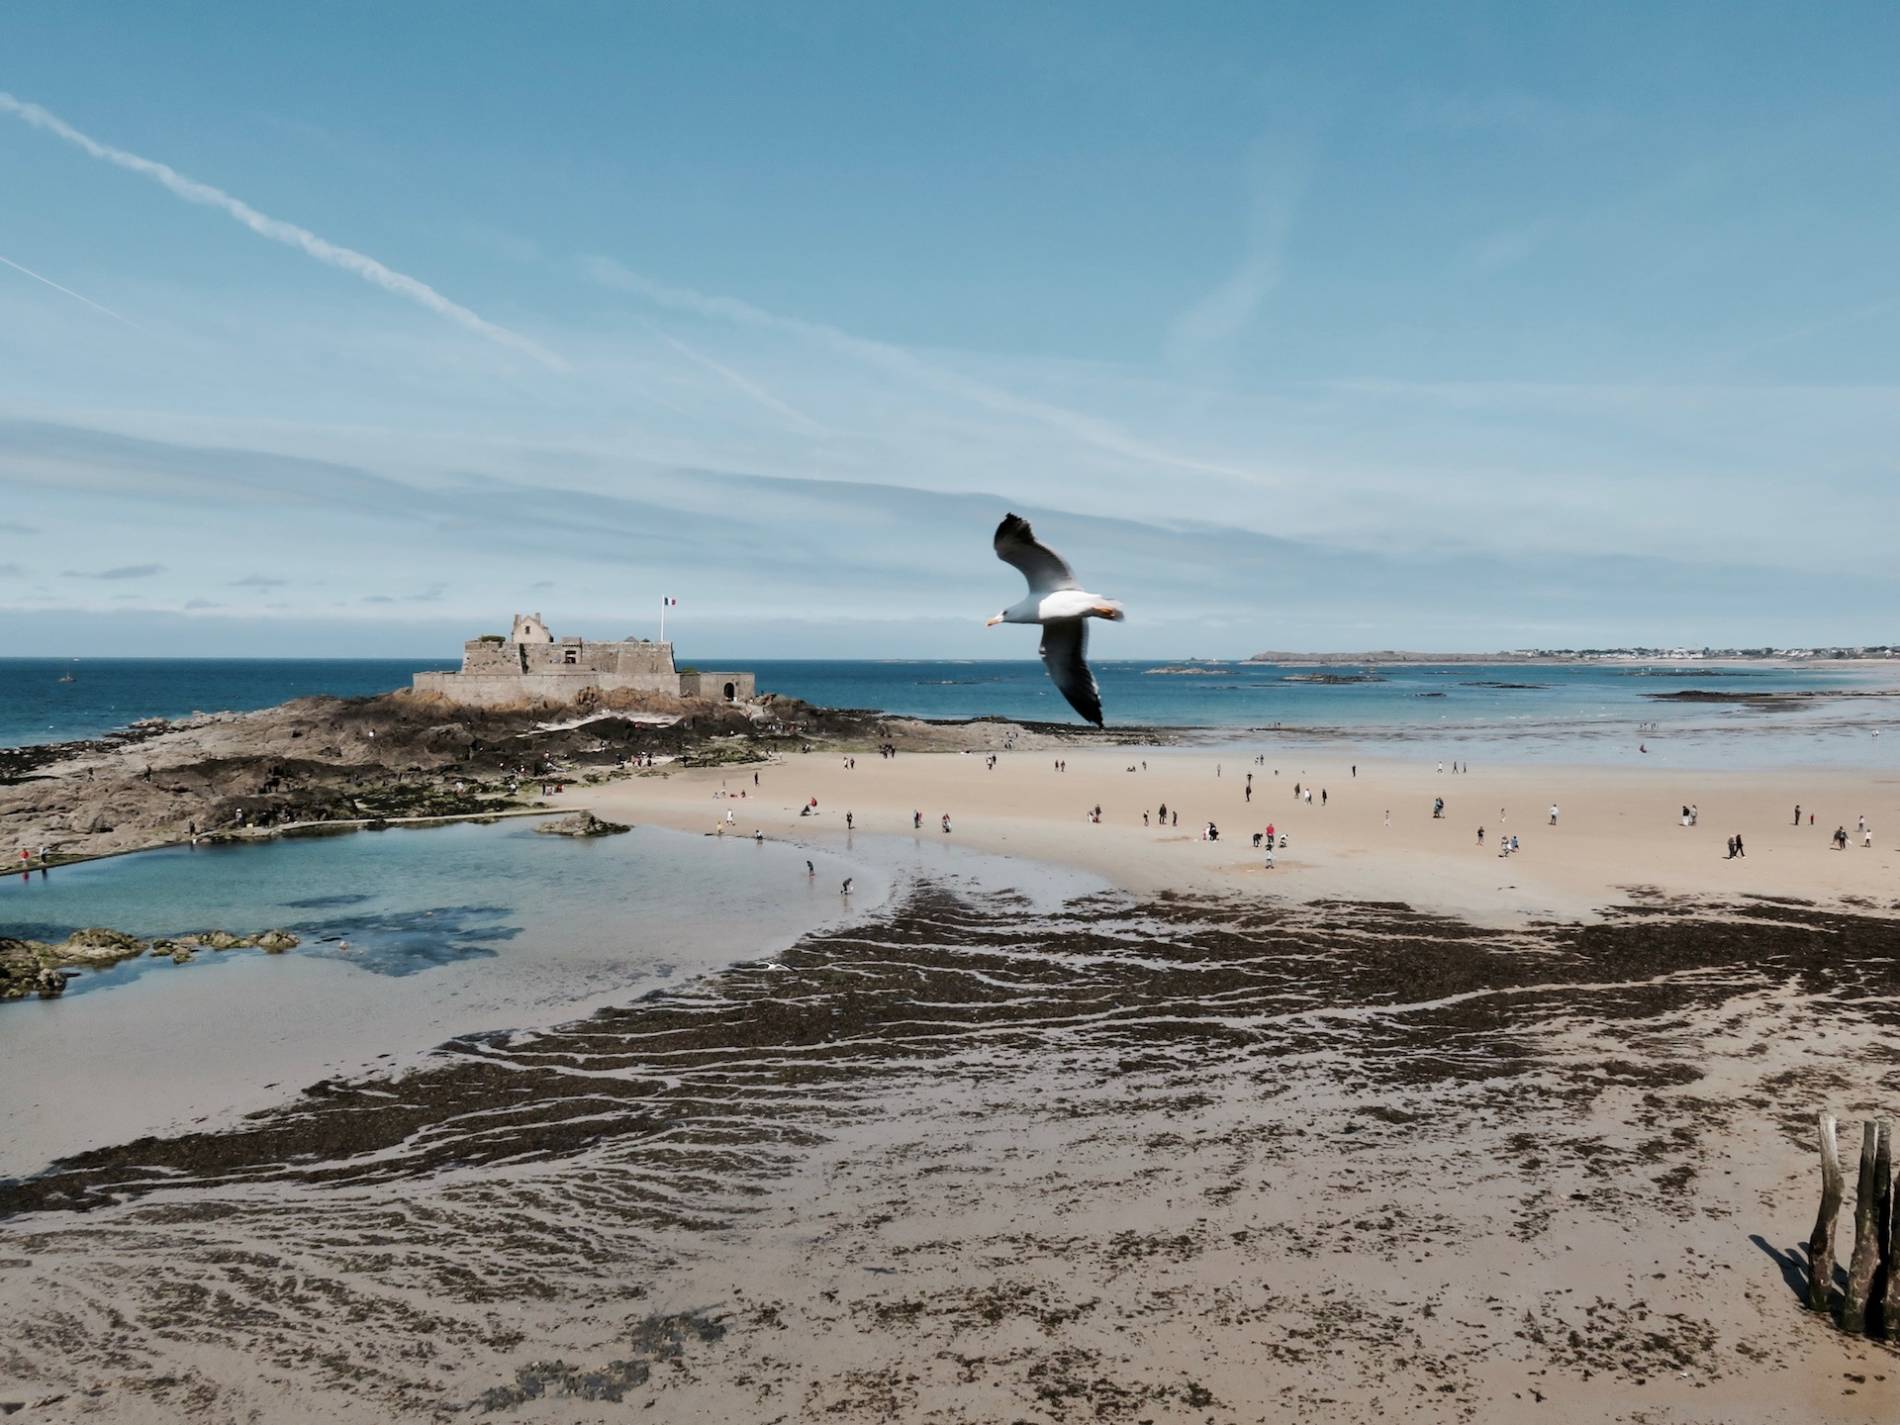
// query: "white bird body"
[[1061, 606]]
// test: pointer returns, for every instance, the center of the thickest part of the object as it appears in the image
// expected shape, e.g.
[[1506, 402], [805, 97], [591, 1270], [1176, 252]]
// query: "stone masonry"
[[532, 665]]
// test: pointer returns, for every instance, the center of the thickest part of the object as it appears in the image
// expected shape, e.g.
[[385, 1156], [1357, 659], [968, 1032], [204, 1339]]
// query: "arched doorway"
[[731, 692]]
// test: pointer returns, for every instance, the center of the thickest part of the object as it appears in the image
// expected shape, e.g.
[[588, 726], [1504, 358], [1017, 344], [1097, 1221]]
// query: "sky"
[[358, 328]]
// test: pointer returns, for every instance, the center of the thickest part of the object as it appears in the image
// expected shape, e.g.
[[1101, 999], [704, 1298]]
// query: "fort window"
[[730, 690]]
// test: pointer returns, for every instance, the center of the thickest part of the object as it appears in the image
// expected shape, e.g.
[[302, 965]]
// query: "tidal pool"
[[409, 937]]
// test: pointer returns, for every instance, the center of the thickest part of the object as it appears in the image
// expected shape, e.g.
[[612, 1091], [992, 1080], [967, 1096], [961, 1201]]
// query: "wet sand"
[[1123, 1158]]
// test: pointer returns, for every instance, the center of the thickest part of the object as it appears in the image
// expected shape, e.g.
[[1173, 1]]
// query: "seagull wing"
[[1064, 643], [1045, 570]]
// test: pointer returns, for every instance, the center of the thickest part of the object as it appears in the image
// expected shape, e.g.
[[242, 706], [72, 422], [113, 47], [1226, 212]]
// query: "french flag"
[[671, 603]]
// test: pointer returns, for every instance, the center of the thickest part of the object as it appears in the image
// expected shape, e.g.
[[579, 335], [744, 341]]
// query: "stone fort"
[[531, 664]]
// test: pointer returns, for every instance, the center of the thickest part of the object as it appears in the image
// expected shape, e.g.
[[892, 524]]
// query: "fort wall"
[[531, 665]]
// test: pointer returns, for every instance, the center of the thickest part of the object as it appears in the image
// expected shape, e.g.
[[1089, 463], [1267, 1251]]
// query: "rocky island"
[[325, 764]]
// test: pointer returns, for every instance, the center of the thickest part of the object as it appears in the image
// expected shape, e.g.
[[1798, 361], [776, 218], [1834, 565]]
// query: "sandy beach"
[[1619, 831]]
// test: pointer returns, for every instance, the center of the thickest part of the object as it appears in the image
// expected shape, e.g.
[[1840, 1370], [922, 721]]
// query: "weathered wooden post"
[[1861, 1266], [1821, 1241], [1883, 1304]]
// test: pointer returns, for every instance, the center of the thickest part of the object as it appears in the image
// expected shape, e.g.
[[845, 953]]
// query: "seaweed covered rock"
[[582, 823], [101, 946], [34, 967]]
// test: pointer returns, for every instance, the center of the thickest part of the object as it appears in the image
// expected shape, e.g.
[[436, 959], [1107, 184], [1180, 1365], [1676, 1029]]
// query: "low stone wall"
[[727, 687], [501, 689]]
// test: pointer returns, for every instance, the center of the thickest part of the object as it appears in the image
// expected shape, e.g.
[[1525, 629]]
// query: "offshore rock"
[[582, 823], [34, 967]]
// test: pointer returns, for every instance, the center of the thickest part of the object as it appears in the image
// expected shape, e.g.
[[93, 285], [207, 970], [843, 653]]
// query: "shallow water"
[[409, 937]]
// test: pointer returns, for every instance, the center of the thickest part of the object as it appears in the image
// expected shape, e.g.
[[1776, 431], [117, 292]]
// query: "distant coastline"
[[1879, 654]]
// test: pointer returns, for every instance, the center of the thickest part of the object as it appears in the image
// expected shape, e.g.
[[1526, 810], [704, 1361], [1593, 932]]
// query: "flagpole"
[[663, 618]]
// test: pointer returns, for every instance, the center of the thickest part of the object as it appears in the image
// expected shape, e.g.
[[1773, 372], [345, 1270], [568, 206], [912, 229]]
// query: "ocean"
[[1581, 712]]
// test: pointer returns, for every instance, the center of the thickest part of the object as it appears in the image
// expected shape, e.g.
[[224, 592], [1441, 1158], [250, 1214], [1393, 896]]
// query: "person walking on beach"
[[1322, 796], [1731, 848], [847, 820], [1840, 838], [1481, 836], [1162, 815], [845, 889], [811, 870], [1553, 813], [1388, 816], [1740, 850], [1249, 795], [1269, 865], [1175, 820], [1144, 816], [916, 821], [1797, 813], [946, 823], [1866, 839]]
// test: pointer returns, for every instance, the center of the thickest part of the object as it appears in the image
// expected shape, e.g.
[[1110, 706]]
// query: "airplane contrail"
[[277, 230], [96, 306]]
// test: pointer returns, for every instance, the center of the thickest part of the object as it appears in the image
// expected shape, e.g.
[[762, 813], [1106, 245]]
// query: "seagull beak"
[[991, 623]]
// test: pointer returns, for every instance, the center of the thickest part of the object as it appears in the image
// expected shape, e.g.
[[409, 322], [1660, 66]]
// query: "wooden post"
[[1883, 1304], [1821, 1241], [1860, 1266]]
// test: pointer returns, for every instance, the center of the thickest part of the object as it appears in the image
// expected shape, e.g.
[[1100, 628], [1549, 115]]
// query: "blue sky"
[[1462, 327]]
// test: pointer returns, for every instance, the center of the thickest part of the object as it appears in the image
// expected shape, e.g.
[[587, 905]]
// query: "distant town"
[[1838, 653]]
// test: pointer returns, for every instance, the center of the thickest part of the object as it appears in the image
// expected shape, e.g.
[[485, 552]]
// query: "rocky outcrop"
[[582, 823], [31, 968]]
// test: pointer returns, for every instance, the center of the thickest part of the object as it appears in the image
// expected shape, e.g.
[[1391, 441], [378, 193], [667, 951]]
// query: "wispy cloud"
[[12, 571], [1090, 430], [258, 581], [15, 527], [121, 571], [1276, 186], [743, 384], [277, 230], [77, 297], [425, 596], [195, 604]]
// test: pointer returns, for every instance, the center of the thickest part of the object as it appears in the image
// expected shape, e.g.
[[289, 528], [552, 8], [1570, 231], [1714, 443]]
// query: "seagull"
[[1060, 605]]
